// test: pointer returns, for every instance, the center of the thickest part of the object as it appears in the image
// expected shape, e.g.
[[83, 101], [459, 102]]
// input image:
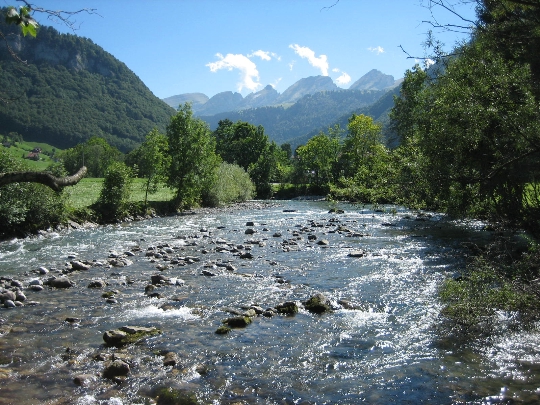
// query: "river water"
[[388, 349]]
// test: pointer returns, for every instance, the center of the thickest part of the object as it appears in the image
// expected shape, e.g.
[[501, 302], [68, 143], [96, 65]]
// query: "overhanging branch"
[[47, 179]]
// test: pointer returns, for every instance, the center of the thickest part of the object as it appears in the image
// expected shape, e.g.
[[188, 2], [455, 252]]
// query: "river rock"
[[238, 321], [83, 380], [128, 335], [60, 282], [208, 273], [43, 270], [20, 296], [97, 284], [117, 368], [158, 279], [357, 253], [35, 282], [287, 308], [323, 242], [249, 231], [223, 330], [170, 359], [9, 304], [318, 304], [16, 283], [36, 287], [7, 295], [78, 265]]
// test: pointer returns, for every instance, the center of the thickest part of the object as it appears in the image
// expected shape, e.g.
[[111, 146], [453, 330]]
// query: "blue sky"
[[210, 46]]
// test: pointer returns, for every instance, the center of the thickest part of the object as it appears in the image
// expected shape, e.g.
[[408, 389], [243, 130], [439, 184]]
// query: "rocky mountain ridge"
[[230, 101]]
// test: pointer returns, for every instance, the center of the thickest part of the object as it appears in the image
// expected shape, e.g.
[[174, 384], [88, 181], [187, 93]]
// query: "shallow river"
[[387, 349]]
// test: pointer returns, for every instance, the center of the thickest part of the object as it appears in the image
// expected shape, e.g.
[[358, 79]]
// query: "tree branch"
[[56, 183]]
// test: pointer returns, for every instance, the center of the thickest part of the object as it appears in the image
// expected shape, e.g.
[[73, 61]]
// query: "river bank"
[[186, 274]]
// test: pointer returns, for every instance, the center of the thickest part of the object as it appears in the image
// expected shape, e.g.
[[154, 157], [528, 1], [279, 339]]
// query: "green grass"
[[86, 192], [21, 149]]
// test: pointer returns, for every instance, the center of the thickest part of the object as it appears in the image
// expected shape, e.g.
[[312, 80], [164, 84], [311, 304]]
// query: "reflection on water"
[[382, 347]]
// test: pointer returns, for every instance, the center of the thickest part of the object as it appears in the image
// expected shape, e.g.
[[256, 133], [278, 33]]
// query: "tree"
[[153, 161], [96, 154], [113, 201], [248, 146], [319, 158], [475, 133], [193, 158]]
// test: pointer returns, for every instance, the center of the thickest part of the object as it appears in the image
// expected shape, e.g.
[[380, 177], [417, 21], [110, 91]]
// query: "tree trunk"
[[56, 183]]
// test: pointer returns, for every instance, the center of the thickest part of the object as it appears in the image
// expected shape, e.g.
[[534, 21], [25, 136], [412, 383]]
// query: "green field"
[[86, 192], [21, 149]]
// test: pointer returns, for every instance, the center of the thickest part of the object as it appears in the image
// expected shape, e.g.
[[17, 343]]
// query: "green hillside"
[[310, 113], [379, 111], [71, 89]]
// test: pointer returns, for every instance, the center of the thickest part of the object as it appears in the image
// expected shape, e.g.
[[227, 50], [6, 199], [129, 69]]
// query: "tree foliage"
[[113, 202], [27, 207], [152, 160], [96, 154], [193, 158]]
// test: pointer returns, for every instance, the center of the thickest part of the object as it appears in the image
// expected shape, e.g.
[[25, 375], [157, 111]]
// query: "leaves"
[[23, 19]]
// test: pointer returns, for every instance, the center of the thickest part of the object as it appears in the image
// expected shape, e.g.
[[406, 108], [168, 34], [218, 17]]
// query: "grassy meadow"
[[86, 192], [21, 149]]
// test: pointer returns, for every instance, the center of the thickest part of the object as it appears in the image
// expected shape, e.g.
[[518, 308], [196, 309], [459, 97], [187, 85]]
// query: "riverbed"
[[381, 343]]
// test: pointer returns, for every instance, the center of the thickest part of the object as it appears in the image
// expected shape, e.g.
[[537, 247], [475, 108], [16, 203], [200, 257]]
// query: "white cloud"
[[378, 49], [336, 70], [343, 79], [304, 52], [428, 62], [291, 65], [248, 69], [264, 55]]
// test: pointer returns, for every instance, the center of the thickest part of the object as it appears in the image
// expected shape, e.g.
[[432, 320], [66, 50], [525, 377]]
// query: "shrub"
[[27, 207], [113, 202], [232, 185]]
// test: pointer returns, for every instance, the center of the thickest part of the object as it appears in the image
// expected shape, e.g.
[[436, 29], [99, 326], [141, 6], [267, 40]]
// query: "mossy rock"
[[318, 304], [287, 308], [223, 330], [238, 321], [172, 396], [128, 335]]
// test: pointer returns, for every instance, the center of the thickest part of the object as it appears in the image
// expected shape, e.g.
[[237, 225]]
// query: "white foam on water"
[[152, 312]]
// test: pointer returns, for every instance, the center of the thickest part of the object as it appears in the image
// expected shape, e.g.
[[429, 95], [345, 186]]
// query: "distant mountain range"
[[227, 101], [308, 106]]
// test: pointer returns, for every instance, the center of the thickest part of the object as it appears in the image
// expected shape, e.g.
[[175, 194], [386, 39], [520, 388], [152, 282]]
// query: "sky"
[[211, 46]]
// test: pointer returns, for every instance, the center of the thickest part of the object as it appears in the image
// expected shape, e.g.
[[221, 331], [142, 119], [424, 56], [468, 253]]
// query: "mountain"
[[196, 100], [263, 98], [373, 80], [229, 101], [225, 101], [71, 89], [308, 85], [311, 112], [379, 111]]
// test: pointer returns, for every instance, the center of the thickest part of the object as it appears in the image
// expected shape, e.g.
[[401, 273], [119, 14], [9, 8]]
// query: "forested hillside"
[[71, 89], [311, 112]]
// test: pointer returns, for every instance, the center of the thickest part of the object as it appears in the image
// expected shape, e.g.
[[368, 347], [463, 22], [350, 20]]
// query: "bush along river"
[[264, 303]]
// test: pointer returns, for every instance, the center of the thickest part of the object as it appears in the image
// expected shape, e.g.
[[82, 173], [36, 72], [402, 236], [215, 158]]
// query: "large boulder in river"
[[116, 368], [60, 282], [128, 334], [287, 308], [318, 304]]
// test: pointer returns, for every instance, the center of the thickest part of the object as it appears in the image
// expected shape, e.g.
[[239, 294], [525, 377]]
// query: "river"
[[385, 346]]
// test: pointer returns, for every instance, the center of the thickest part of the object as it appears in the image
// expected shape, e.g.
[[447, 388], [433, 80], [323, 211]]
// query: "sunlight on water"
[[382, 348]]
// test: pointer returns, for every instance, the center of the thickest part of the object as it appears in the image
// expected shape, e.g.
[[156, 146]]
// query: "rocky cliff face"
[[373, 80], [308, 85]]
